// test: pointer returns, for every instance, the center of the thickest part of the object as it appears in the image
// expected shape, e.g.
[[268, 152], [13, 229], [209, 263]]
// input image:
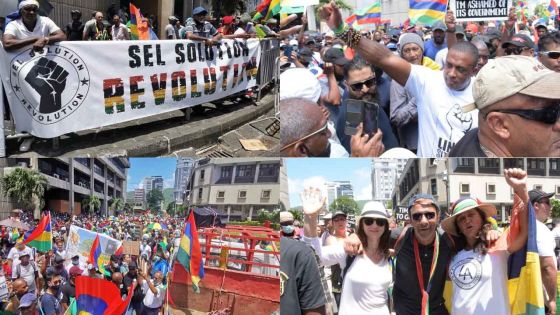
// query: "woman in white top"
[[368, 278], [479, 271]]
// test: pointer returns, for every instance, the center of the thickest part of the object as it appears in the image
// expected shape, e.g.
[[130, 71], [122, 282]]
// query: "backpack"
[[18, 270]]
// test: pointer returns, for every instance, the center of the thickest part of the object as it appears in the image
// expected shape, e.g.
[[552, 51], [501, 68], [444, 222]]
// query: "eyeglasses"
[[548, 115], [428, 215], [322, 129], [551, 54], [359, 85], [378, 221], [515, 50]]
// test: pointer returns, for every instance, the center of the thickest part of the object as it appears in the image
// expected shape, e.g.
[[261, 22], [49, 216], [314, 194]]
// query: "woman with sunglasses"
[[366, 277], [479, 271]]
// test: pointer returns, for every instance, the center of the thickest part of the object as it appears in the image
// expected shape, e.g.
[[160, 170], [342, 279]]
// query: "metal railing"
[[268, 70]]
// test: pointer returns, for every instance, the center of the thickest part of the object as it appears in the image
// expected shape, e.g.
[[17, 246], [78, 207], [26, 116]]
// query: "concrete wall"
[[61, 12]]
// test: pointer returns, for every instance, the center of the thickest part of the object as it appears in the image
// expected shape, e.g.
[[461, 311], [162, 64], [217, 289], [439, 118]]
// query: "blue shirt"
[[50, 304], [431, 49], [160, 265]]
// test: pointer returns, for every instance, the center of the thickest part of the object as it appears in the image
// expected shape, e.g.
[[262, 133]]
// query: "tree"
[[344, 204], [91, 204], [297, 213], [127, 207], [555, 203], [117, 204], [154, 199], [266, 215], [171, 208], [27, 187], [541, 10]]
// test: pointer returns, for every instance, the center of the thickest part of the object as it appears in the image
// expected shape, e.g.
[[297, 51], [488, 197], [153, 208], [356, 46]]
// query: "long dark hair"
[[383, 241], [482, 242]]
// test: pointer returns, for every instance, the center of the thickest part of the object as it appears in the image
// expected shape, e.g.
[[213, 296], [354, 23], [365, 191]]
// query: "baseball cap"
[[76, 260], [306, 54], [286, 216], [75, 271], [505, 76], [337, 213], [309, 41], [327, 216], [199, 10], [537, 194], [294, 42], [27, 300], [173, 18], [132, 265], [58, 259], [520, 40], [228, 19], [336, 56], [413, 200], [439, 25], [541, 24], [301, 83], [460, 30]]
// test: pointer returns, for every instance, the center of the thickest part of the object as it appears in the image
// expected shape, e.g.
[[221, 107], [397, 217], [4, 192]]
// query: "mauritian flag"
[[552, 8], [40, 237], [139, 28], [267, 9], [189, 254], [369, 15], [427, 12], [98, 297], [95, 253]]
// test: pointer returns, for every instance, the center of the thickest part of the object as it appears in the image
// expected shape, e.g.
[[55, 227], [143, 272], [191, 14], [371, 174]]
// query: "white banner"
[[80, 241], [75, 86]]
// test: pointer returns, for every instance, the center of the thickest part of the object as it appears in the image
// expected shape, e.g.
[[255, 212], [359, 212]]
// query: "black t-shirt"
[[406, 291], [300, 281], [68, 291], [137, 295], [468, 146], [74, 30]]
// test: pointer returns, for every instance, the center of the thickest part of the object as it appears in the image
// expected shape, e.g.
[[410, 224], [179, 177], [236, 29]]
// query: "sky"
[[144, 167], [314, 172]]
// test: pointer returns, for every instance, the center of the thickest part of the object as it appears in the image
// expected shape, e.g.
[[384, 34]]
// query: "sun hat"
[[373, 209], [461, 206]]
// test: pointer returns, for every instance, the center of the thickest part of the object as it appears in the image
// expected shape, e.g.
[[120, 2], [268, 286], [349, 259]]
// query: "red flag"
[[122, 307]]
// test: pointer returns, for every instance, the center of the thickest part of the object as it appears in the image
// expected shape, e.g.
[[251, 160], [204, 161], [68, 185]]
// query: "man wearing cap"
[[17, 251], [69, 288], [31, 29], [19, 289], [329, 228], [519, 44], [170, 30], [437, 42], [454, 33], [440, 94], [332, 82], [28, 304], [549, 51], [199, 29], [75, 29], [340, 222], [541, 29], [518, 108], [545, 246], [28, 271], [287, 224]]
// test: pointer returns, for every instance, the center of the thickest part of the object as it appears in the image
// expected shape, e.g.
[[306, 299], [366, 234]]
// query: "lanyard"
[[419, 274]]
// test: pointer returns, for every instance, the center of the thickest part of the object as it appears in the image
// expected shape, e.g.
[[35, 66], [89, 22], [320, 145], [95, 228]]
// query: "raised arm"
[[371, 51], [450, 33], [517, 179]]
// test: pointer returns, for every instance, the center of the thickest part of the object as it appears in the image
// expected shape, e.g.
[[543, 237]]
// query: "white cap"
[[506, 76], [299, 82], [398, 153], [294, 42], [286, 216]]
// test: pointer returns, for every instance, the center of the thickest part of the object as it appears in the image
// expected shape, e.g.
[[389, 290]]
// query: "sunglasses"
[[515, 50], [320, 130], [286, 223], [548, 115], [551, 54], [378, 221], [359, 85], [428, 215]]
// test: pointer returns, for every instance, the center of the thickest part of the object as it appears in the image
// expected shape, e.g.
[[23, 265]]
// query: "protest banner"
[[131, 248], [401, 214], [4, 292], [73, 86], [480, 10], [80, 241]]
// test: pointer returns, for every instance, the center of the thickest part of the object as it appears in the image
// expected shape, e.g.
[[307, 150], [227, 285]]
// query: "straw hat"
[[373, 209], [462, 206]]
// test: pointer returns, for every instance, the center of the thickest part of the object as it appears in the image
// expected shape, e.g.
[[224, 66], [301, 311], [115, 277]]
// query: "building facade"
[[237, 188], [483, 178], [337, 189], [384, 175], [185, 167], [72, 180], [139, 199], [152, 183]]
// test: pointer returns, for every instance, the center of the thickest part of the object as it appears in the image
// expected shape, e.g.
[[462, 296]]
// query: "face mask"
[[325, 153], [469, 37], [157, 258], [115, 265], [288, 229], [55, 287]]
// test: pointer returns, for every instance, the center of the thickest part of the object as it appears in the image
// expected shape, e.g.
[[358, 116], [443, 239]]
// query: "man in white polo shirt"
[[155, 293]]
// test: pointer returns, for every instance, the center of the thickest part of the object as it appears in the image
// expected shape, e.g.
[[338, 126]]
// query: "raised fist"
[[49, 80]]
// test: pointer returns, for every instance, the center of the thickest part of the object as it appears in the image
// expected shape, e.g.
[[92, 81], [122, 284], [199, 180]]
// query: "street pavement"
[[214, 133]]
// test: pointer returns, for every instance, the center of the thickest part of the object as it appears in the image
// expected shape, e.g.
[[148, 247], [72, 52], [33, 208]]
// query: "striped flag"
[[267, 9], [427, 12], [95, 253], [40, 237], [552, 8], [189, 254], [139, 28], [369, 15]]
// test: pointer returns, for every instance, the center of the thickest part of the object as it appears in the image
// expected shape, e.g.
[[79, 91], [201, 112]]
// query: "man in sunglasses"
[[519, 44], [518, 102], [549, 51], [545, 246]]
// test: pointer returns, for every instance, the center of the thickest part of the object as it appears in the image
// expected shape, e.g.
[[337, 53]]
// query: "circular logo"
[[50, 85], [466, 273]]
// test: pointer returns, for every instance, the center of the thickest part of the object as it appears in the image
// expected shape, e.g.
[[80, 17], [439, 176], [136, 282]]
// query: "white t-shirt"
[[43, 27], [119, 33], [441, 122], [15, 253], [441, 56], [27, 273], [152, 300], [170, 31], [364, 289], [545, 240], [479, 283]]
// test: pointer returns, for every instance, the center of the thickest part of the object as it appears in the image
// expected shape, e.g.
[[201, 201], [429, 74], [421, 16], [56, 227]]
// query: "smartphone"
[[358, 111], [288, 52]]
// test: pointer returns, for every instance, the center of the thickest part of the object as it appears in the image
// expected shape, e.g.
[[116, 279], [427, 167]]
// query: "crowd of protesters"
[[45, 281], [448, 89], [384, 268]]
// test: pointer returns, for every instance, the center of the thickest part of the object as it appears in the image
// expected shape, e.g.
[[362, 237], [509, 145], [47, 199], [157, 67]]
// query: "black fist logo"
[[48, 79]]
